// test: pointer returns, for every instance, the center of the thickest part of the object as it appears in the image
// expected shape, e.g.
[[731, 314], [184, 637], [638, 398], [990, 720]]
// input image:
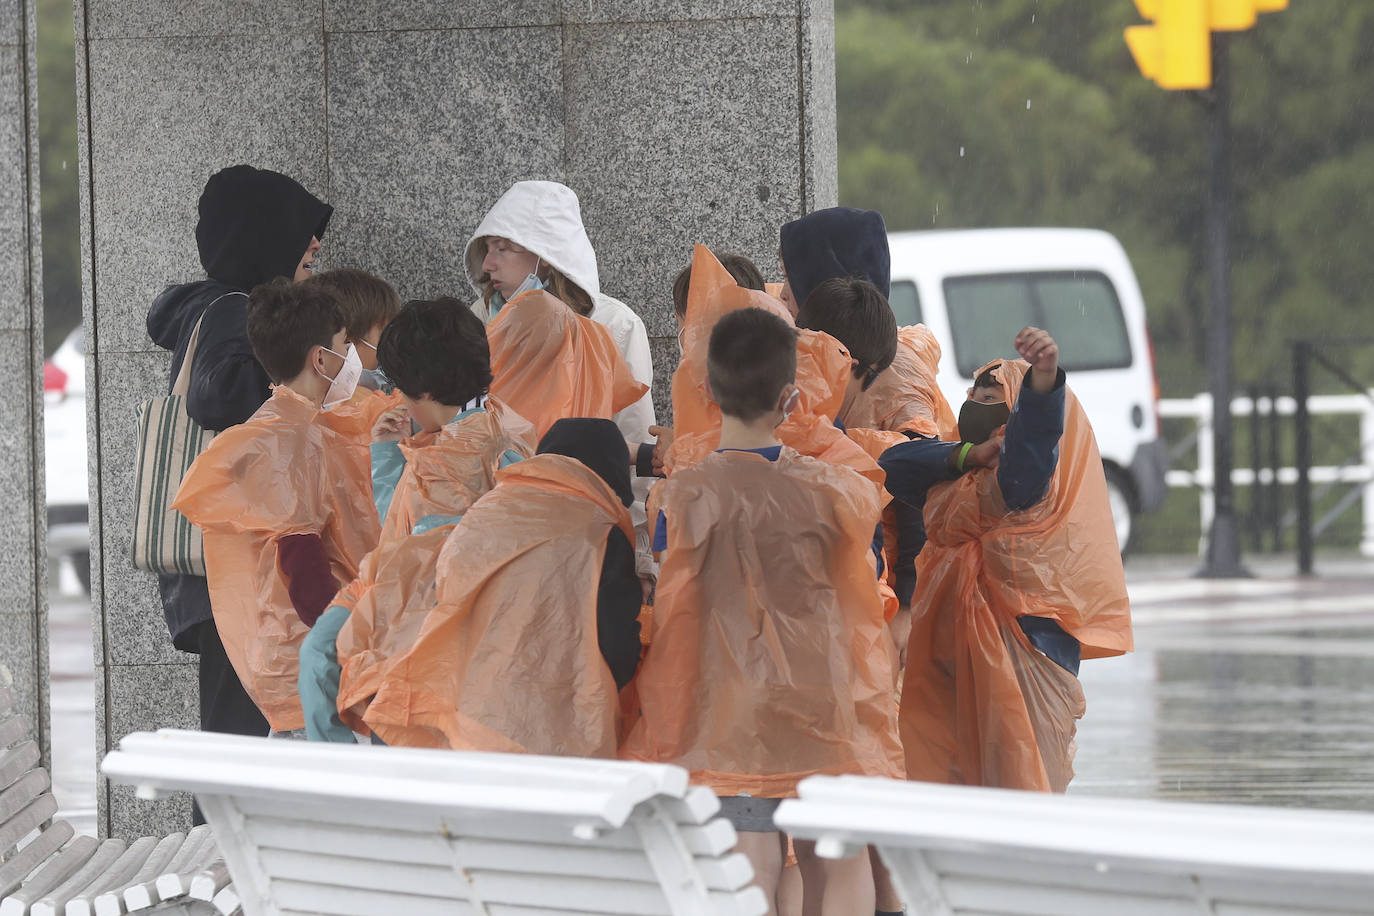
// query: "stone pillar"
[[23, 523], [676, 121]]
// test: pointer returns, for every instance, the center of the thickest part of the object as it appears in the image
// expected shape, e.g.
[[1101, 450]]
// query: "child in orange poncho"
[[769, 661], [437, 354], [282, 499], [534, 627], [1020, 579], [367, 303]]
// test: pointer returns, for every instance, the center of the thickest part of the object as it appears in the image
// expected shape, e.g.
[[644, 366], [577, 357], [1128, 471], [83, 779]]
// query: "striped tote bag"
[[168, 442]]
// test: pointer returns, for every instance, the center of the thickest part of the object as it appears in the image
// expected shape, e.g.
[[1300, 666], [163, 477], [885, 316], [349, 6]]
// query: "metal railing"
[[1265, 472]]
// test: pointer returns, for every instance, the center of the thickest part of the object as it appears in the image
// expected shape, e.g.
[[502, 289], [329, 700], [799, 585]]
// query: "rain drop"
[[1027, 104], [961, 152]]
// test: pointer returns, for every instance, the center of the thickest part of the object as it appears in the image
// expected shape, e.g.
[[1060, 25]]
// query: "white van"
[[975, 288]]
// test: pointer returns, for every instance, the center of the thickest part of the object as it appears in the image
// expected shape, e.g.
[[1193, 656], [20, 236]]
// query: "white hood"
[[543, 217]]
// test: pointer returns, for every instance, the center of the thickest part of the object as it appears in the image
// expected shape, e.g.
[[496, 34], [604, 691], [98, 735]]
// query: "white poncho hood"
[[543, 217]]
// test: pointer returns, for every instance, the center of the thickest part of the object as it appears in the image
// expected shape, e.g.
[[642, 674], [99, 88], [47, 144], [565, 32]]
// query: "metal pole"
[[1223, 544], [1255, 504], [1302, 430], [1273, 520]]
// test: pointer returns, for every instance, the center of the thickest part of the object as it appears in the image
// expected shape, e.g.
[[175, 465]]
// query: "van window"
[[905, 303], [1080, 309]]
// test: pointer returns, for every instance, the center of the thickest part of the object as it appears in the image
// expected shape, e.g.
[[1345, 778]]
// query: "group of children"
[[443, 534]]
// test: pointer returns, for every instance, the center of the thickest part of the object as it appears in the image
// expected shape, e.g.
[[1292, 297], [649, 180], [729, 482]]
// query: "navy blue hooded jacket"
[[835, 243]]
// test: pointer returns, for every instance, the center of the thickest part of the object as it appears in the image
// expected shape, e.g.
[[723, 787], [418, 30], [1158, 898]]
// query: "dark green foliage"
[[1101, 146], [58, 172]]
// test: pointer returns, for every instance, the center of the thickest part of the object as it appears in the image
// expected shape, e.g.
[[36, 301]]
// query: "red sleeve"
[[309, 579]]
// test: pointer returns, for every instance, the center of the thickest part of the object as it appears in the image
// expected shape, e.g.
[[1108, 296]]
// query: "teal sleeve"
[[319, 679], [510, 457], [387, 465], [430, 522]]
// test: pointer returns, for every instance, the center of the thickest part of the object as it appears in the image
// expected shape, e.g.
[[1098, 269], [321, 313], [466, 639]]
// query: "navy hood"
[[835, 243], [596, 443], [255, 225]]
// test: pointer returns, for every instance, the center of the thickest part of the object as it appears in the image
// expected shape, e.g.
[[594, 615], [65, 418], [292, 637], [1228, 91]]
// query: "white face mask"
[[342, 385]]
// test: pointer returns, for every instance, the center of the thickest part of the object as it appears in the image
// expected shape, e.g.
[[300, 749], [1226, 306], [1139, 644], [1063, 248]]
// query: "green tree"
[[1101, 146], [60, 210]]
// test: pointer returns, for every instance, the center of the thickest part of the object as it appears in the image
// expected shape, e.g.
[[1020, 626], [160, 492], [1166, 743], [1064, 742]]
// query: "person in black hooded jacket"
[[255, 225]]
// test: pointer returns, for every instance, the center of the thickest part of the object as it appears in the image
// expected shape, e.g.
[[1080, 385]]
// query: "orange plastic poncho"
[[770, 660], [823, 370], [548, 362], [355, 417], [980, 705], [395, 587], [508, 660], [281, 473], [905, 396]]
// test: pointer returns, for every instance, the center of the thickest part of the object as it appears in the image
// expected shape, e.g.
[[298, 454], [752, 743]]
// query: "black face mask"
[[977, 421]]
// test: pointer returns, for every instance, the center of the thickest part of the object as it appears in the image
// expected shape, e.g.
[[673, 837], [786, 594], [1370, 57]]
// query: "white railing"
[[1199, 408]]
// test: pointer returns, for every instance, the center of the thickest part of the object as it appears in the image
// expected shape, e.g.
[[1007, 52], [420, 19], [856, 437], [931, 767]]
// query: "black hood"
[[835, 243], [256, 225], [596, 443]]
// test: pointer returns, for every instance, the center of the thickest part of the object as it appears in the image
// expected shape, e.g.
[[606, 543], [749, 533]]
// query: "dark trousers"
[[224, 705]]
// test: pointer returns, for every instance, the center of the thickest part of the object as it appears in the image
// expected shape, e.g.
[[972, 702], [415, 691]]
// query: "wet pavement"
[[1253, 692], [1256, 691]]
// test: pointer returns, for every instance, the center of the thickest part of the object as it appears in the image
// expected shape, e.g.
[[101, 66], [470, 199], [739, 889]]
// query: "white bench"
[[960, 851], [46, 870], [335, 829]]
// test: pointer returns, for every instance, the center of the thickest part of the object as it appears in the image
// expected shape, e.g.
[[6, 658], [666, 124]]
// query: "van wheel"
[[1122, 500]]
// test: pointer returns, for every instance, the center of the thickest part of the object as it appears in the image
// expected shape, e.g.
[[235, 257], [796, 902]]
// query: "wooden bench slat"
[[26, 821], [26, 789], [711, 839], [16, 761], [698, 806], [1055, 870], [1260, 909], [24, 862], [142, 884], [1294, 893], [54, 872], [227, 902], [55, 900], [361, 872], [14, 729], [1029, 899], [198, 851], [115, 874], [210, 881], [313, 898]]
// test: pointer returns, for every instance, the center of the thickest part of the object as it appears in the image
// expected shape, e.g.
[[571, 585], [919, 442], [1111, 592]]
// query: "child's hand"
[[665, 440], [986, 454], [392, 426], [1038, 348]]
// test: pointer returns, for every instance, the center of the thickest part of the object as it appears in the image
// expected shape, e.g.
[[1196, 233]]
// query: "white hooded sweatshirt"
[[545, 218]]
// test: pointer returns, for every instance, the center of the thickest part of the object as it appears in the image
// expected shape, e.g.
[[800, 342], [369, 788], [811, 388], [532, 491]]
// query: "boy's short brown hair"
[[745, 272], [752, 356], [364, 299], [856, 313], [286, 320]]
